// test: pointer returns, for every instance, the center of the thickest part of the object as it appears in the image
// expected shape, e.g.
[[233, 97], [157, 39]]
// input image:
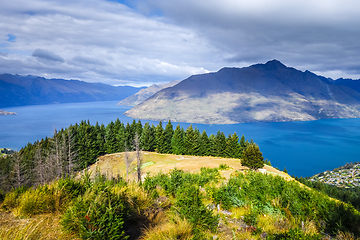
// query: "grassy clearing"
[[154, 163]]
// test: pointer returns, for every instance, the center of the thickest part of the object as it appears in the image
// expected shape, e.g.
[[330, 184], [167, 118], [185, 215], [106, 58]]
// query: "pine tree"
[[159, 138], [220, 144], [177, 141], [252, 157], [152, 138], [139, 127], [196, 143], [189, 141], [110, 144], [169, 132], [130, 130], [146, 139], [243, 144], [205, 147], [232, 149], [212, 145], [121, 138]]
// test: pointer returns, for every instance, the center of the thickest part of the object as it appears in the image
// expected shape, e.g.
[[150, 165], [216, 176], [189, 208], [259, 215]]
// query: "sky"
[[140, 42]]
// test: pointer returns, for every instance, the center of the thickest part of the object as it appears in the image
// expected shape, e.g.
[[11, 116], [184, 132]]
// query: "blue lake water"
[[304, 148]]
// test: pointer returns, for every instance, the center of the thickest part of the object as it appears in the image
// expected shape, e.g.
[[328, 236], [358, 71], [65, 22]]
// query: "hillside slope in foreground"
[[153, 163]]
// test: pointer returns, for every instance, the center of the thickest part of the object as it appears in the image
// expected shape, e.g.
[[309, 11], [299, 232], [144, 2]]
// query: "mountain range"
[[144, 94], [270, 92], [19, 90]]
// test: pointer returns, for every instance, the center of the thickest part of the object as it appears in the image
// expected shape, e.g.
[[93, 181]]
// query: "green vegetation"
[[181, 205], [348, 195], [252, 157], [80, 145]]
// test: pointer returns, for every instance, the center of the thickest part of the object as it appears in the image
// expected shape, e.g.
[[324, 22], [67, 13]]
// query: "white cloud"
[[97, 41], [104, 41]]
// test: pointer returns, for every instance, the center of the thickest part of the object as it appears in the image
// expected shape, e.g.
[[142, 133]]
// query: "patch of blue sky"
[[132, 4], [11, 38], [128, 3]]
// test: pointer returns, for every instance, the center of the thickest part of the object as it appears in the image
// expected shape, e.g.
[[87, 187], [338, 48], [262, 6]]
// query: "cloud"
[[154, 41], [47, 55]]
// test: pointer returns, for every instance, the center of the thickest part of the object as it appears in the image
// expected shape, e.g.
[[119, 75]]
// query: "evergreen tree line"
[[79, 145]]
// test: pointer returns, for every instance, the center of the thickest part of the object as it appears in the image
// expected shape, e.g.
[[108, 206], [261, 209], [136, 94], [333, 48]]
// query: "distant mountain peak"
[[275, 64]]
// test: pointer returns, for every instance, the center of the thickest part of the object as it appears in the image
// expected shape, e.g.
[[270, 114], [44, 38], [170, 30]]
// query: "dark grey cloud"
[[47, 55], [305, 34]]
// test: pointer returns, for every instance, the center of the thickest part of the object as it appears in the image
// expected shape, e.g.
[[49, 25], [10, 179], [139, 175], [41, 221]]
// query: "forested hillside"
[[80, 145]]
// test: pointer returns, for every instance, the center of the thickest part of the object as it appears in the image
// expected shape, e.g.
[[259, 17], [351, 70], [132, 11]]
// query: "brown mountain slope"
[[268, 92]]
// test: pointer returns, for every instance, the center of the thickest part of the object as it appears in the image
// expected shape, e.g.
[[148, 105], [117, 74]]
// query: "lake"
[[304, 148]]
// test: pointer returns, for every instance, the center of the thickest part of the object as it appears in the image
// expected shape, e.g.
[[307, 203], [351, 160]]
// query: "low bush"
[[11, 199], [98, 214], [190, 206]]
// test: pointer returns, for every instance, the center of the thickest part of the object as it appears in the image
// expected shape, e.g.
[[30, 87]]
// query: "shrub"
[[98, 214], [190, 206], [295, 233], [223, 167], [11, 199]]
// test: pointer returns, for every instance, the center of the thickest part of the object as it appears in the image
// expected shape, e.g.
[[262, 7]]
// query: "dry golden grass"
[[40, 227], [176, 229], [113, 164]]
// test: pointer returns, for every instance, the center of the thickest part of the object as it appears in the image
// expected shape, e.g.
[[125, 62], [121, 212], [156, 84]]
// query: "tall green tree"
[[243, 144], [169, 132], [232, 149], [177, 141], [147, 138], [111, 143], [220, 144], [205, 147], [196, 146], [121, 138], [188, 141], [252, 157], [159, 138], [212, 145]]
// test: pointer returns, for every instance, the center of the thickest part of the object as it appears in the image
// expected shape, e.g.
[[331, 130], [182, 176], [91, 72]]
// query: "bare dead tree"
[[56, 156], [40, 166], [138, 155], [71, 152], [19, 170], [128, 160]]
